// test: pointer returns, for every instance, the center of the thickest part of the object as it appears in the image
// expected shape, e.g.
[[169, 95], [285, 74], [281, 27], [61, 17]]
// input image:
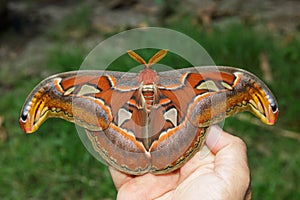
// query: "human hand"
[[223, 173]]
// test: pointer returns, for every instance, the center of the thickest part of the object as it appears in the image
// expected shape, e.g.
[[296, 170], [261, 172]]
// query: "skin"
[[219, 171]]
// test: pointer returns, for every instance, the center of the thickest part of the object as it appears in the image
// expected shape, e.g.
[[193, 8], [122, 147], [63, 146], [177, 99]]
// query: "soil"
[[24, 23]]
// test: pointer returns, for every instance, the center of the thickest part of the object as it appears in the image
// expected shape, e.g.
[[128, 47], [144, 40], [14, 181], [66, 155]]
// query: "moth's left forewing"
[[89, 98]]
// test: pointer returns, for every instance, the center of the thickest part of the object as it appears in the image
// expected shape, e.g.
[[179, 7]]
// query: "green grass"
[[62, 58], [53, 164], [76, 25]]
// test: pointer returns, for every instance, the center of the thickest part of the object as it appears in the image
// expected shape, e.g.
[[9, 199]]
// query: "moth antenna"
[[136, 57], [157, 57]]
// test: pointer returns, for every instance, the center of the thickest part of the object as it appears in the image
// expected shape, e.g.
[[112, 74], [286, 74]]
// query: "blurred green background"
[[39, 38]]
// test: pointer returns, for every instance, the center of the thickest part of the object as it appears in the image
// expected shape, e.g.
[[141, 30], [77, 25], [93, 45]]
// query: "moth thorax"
[[148, 92]]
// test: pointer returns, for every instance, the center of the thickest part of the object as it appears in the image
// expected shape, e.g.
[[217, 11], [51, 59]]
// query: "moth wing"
[[89, 98], [208, 94]]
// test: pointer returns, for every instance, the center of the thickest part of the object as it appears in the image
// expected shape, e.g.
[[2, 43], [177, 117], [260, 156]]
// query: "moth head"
[[148, 76]]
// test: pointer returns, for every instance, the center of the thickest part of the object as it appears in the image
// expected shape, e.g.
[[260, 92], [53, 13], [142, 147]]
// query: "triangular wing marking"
[[87, 89], [171, 115], [123, 115]]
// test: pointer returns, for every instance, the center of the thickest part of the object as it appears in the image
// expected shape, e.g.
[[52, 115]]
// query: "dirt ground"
[[23, 23]]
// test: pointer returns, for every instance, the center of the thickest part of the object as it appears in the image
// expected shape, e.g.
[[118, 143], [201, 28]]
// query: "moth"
[[148, 121]]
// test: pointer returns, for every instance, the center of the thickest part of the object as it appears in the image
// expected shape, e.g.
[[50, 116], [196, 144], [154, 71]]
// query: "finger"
[[212, 138], [148, 186], [231, 160], [118, 177], [204, 159], [201, 163]]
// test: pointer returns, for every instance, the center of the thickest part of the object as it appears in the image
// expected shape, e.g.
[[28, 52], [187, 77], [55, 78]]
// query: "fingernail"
[[213, 136]]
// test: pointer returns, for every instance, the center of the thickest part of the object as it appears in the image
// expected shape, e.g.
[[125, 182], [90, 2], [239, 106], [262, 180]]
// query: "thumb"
[[231, 162]]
